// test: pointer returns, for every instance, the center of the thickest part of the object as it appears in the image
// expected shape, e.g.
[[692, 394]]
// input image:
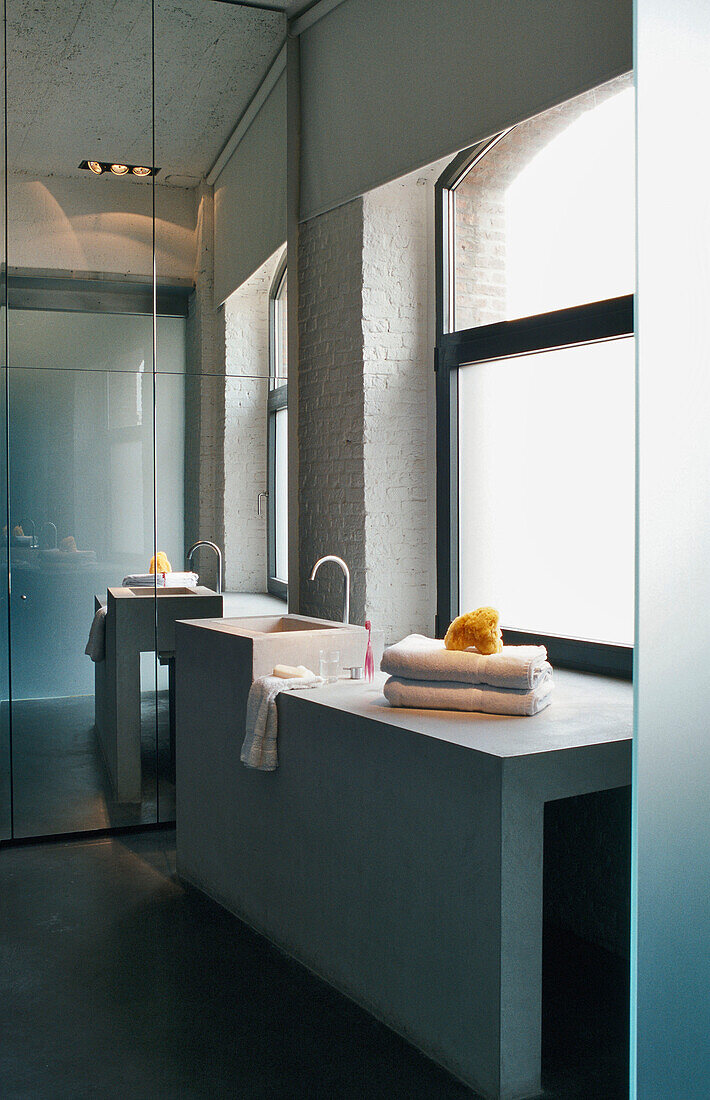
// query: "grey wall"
[[672, 777], [389, 87], [250, 197]]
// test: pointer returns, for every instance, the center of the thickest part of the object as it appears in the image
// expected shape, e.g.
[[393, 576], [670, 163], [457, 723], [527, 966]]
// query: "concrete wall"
[[204, 398]]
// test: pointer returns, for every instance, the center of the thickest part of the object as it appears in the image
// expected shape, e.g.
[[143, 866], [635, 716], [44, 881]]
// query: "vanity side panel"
[[371, 855], [212, 681]]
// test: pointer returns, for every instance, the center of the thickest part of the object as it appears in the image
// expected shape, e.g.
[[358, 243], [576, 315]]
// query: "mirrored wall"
[[134, 403]]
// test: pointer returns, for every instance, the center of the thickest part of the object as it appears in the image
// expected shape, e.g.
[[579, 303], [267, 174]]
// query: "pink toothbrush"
[[369, 659]]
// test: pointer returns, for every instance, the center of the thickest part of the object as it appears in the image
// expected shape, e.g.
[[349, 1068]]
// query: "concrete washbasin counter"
[[258, 643], [130, 631], [397, 853]]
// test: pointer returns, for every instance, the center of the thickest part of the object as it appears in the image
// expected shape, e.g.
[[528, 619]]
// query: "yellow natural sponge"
[[68, 544], [18, 532], [478, 629], [160, 563]]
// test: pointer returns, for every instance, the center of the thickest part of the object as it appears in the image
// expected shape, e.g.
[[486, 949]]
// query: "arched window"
[[277, 436], [535, 379]]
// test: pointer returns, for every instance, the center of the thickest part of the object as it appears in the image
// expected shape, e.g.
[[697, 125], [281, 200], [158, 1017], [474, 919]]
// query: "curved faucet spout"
[[53, 532], [218, 552], [346, 582]]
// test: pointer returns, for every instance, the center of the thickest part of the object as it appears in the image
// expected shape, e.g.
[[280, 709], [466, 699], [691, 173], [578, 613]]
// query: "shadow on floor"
[[118, 981], [60, 781]]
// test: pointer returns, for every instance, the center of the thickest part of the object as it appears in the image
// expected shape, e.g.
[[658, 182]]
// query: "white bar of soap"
[[290, 672]]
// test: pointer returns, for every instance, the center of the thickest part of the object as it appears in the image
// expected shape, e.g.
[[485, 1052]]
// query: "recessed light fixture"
[[98, 167]]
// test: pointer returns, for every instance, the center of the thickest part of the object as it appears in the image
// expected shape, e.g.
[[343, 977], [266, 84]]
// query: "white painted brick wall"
[[331, 409], [366, 393], [247, 387], [399, 406]]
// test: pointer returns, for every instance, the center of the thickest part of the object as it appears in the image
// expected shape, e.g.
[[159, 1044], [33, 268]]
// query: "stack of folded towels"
[[424, 674]]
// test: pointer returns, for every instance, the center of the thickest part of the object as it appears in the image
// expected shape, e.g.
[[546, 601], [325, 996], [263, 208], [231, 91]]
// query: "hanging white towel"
[[96, 645], [259, 749], [418, 658], [440, 695]]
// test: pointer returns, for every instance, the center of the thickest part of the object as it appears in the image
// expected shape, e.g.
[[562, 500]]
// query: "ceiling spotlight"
[[98, 167]]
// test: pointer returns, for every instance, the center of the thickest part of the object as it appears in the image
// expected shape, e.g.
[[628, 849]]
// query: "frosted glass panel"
[[545, 219], [546, 489], [62, 339], [82, 496]]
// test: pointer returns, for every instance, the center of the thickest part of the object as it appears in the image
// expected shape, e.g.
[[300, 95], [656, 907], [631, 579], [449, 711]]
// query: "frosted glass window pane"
[[546, 490], [281, 330], [282, 495], [545, 219]]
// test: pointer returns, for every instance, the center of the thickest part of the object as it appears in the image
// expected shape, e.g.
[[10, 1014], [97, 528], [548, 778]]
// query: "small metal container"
[[357, 672]]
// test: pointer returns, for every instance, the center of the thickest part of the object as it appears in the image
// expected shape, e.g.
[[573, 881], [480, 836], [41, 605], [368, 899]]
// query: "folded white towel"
[[259, 749], [144, 580], [96, 645], [420, 658], [442, 695], [161, 580]]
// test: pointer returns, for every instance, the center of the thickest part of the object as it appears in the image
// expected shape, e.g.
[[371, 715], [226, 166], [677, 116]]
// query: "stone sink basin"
[[269, 640]]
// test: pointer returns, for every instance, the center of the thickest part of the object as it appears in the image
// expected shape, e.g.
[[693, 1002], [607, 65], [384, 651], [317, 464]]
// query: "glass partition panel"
[[212, 392], [81, 515], [5, 753]]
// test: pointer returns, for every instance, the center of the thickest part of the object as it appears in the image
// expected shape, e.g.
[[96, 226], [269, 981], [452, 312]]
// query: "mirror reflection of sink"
[[148, 591]]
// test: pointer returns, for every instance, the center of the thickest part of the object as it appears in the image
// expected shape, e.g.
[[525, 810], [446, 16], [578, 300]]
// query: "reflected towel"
[[259, 749], [96, 645], [418, 658], [442, 695], [161, 580]]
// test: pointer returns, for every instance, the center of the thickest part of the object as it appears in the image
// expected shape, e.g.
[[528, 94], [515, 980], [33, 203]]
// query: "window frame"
[[592, 322], [277, 399]]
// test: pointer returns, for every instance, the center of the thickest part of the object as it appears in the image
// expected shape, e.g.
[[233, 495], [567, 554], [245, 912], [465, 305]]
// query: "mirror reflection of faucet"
[[46, 545], [218, 552]]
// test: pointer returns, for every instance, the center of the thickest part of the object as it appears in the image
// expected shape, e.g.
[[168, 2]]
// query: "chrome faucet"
[[346, 582], [53, 527], [218, 552]]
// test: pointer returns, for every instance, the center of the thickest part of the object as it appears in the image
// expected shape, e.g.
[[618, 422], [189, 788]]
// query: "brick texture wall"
[[247, 364], [366, 393], [331, 409], [399, 407]]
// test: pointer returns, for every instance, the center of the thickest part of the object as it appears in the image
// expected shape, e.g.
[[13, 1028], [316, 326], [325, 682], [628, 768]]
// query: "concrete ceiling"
[[79, 81], [291, 7]]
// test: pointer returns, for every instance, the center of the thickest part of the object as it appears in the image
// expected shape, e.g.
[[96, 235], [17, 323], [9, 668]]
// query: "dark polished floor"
[[59, 778], [117, 981]]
